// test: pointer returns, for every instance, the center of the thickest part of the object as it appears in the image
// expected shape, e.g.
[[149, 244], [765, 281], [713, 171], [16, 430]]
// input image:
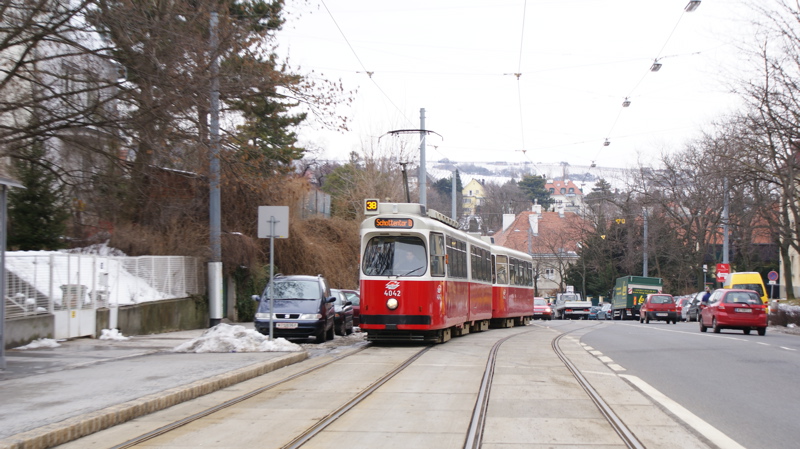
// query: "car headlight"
[[311, 316], [263, 316]]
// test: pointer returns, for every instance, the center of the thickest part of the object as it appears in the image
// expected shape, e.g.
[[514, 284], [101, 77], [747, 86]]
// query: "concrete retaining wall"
[[140, 319], [21, 331]]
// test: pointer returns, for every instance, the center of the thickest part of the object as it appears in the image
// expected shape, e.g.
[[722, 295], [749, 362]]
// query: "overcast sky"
[[577, 61]]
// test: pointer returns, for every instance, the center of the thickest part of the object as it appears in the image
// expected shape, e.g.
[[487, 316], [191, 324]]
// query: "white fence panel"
[[39, 283]]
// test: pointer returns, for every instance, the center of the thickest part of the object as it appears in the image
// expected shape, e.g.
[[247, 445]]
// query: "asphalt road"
[[744, 385]]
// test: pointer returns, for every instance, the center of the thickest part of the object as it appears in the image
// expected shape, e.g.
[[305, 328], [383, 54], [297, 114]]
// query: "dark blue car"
[[303, 308]]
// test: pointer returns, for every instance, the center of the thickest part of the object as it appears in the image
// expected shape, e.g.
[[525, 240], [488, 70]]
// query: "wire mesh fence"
[[43, 283]]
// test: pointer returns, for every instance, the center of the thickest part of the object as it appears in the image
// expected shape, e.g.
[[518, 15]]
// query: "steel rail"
[[617, 424], [314, 430], [189, 419], [478, 421]]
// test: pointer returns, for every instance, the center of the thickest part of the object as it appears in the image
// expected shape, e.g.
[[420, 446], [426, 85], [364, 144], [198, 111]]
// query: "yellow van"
[[749, 280]]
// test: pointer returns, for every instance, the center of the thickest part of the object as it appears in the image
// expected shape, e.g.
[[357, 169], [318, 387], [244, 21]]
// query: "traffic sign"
[[772, 276], [723, 270]]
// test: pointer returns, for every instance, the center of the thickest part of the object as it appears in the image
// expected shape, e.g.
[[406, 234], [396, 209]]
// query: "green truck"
[[629, 295]]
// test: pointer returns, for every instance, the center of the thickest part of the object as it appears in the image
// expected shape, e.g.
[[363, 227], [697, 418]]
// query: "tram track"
[[473, 438], [231, 402]]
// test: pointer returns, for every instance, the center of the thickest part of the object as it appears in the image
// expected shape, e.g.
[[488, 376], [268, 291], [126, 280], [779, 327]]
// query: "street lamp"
[[692, 5], [657, 65]]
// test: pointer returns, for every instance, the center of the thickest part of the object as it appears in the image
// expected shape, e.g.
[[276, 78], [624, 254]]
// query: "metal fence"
[[43, 283]]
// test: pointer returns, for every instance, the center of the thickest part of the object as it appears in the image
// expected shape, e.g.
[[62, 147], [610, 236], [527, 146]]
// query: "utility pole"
[[644, 243], [422, 171], [215, 227]]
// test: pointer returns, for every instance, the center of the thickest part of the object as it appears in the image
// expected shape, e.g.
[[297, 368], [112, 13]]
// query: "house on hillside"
[[565, 194], [474, 195], [550, 237]]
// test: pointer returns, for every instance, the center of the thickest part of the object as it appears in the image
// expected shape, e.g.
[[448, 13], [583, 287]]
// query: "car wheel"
[[702, 328], [746, 331], [646, 319], [342, 329], [330, 334], [320, 336], [349, 330], [715, 325], [762, 331]]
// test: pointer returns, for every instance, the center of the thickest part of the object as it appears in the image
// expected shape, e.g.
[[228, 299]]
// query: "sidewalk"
[[53, 395]]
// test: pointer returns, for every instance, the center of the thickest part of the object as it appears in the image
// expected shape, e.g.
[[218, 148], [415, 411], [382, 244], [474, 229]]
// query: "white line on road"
[[704, 428], [788, 349]]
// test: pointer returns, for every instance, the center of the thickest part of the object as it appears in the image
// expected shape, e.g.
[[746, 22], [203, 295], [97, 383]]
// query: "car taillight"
[[721, 307]]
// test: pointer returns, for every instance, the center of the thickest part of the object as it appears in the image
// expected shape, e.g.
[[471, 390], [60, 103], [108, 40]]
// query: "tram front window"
[[395, 256]]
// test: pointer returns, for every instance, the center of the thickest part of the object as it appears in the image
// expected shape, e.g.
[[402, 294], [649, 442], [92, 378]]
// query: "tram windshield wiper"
[[415, 269]]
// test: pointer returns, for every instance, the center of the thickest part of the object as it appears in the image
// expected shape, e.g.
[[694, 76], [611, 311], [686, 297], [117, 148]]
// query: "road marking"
[[704, 428], [788, 349], [616, 367]]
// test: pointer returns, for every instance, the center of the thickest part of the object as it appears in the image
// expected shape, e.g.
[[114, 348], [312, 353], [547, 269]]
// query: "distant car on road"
[[693, 309], [660, 307], [541, 309], [344, 312], [355, 299], [734, 309], [682, 304]]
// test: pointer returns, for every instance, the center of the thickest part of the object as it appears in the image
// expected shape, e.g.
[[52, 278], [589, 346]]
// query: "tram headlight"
[[391, 303]]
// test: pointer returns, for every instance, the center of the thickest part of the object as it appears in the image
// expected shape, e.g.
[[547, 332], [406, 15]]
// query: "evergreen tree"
[[534, 189], [37, 214]]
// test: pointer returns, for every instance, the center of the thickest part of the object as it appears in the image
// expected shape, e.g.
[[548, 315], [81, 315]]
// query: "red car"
[[659, 306], [734, 309], [355, 299], [541, 309]]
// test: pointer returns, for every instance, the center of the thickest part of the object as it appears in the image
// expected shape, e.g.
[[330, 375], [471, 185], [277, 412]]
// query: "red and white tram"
[[512, 289], [423, 279]]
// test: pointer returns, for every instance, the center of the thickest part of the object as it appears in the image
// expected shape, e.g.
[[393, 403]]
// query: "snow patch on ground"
[[112, 334], [235, 338], [39, 344]]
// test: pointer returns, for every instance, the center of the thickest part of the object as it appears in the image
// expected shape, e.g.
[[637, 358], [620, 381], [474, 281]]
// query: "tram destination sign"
[[399, 223]]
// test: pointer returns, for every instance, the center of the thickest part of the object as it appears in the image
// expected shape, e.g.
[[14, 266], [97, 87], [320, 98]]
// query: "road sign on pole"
[[723, 270]]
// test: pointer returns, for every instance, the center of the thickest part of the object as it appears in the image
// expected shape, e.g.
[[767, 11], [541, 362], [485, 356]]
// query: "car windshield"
[[742, 298], [661, 299], [540, 302], [353, 297], [395, 256], [294, 289]]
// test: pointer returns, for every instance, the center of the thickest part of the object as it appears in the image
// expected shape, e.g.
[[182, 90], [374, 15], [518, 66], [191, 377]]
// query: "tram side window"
[[456, 258], [501, 264], [481, 264], [528, 274], [395, 256], [437, 255]]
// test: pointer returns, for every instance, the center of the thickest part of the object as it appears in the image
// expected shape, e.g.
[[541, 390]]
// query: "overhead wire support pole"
[[423, 132], [215, 226], [423, 174]]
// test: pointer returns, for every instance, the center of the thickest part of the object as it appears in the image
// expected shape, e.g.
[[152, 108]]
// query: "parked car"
[[541, 309], [693, 309], [682, 305], [303, 308], [343, 308], [734, 309], [593, 311], [658, 306], [355, 299], [605, 311]]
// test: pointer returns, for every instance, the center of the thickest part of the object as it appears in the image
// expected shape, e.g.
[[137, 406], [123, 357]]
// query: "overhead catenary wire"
[[369, 72], [641, 79]]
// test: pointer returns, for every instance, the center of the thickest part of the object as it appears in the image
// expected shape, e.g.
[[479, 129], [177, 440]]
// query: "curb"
[[89, 423]]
